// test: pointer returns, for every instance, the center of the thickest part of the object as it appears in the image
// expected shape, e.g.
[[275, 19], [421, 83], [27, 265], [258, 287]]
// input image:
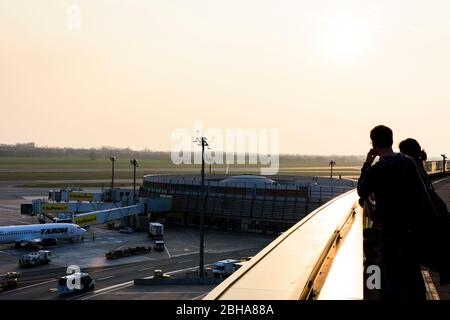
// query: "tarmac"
[[114, 278]]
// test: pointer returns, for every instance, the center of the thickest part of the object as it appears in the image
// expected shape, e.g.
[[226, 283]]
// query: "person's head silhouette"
[[412, 148], [382, 138]]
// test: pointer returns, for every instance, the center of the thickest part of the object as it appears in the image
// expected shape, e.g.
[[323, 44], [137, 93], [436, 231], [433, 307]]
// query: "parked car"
[[126, 230]]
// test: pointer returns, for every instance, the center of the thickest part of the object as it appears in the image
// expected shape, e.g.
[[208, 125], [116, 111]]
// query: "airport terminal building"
[[248, 203]]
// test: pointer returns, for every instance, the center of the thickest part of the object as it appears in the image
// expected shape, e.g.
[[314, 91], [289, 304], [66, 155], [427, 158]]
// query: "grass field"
[[59, 168], [77, 185], [83, 163], [76, 163]]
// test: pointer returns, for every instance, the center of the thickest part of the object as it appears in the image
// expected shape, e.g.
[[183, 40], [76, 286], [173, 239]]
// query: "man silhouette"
[[393, 182]]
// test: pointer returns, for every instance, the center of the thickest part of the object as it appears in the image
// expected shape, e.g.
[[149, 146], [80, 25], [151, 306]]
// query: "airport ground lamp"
[[113, 160], [135, 164], [332, 164], [203, 143], [444, 157]]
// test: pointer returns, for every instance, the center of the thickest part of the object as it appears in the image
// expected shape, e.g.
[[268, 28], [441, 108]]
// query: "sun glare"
[[344, 39]]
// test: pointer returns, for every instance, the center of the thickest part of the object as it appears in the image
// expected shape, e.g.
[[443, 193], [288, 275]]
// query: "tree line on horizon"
[[32, 150]]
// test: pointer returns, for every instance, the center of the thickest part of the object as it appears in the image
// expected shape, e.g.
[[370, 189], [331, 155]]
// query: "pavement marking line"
[[106, 269], [58, 264], [114, 287], [184, 261], [432, 293], [197, 297], [29, 281], [104, 278], [440, 180], [107, 290], [144, 269], [129, 283], [185, 254], [18, 221], [33, 285], [167, 250]]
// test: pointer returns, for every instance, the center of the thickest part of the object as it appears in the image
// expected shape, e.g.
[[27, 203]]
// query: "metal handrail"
[[316, 277]]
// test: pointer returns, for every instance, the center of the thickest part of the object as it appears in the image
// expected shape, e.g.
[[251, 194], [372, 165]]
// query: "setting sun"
[[344, 38]]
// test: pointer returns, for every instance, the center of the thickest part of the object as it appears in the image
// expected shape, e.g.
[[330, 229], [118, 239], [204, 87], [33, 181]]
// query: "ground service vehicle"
[[158, 245], [79, 281], [8, 281], [224, 268], [115, 254], [238, 265], [26, 209], [156, 230], [158, 274], [33, 259]]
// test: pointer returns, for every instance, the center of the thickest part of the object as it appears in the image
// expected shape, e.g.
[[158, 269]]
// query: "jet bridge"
[[86, 213], [104, 195], [103, 216], [45, 207]]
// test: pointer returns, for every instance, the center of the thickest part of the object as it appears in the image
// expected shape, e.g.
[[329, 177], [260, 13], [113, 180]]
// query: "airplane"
[[40, 233]]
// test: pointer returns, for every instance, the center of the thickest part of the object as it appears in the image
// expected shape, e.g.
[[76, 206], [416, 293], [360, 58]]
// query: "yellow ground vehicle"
[[158, 274], [8, 281]]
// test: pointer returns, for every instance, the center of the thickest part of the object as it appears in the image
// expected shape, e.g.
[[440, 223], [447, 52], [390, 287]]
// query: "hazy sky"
[[322, 72]]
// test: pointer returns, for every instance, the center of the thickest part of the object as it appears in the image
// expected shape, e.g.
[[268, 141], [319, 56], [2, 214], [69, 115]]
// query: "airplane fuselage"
[[39, 232]]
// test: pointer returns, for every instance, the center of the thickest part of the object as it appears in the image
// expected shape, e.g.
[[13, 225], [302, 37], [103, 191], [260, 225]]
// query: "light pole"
[[113, 159], [444, 157], [202, 142], [134, 163], [332, 163]]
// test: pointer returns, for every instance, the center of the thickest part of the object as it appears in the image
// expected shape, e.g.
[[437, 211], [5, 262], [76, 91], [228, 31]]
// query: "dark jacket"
[[395, 183], [407, 208]]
